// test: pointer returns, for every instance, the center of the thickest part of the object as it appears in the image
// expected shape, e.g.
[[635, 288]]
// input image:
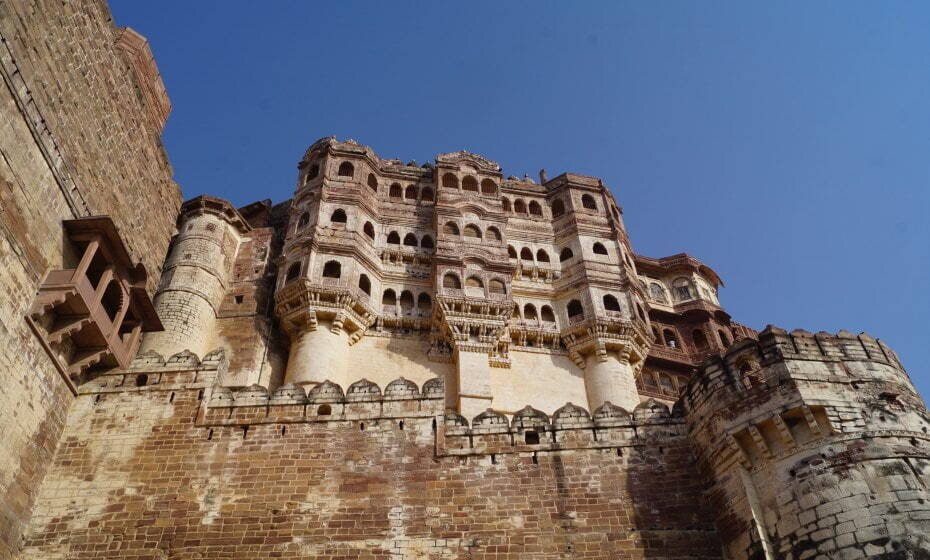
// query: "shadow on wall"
[[669, 512]]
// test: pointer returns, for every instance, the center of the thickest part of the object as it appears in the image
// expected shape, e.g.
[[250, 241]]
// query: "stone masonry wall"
[[74, 140], [91, 103], [817, 446], [169, 466]]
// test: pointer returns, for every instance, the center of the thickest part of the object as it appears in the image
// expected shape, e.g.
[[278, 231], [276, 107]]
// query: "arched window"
[[670, 339], [505, 204], [393, 238], [346, 169], [511, 252], [526, 254], [469, 183], [535, 208], [410, 240], [364, 284], [426, 242], [303, 220], [450, 228], [558, 208], [497, 287], [588, 202], [516, 313], [389, 297], [488, 187], [542, 256], [599, 249], [396, 191], [332, 269], [700, 340], [372, 182], [426, 195], [658, 292], [494, 234], [339, 216], [411, 192], [565, 254], [611, 303], [529, 312], [369, 230], [519, 206], [449, 180], [666, 384], [472, 232], [575, 309], [293, 272], [424, 302], [451, 280], [313, 172], [683, 290], [406, 302], [724, 339], [546, 314], [474, 286]]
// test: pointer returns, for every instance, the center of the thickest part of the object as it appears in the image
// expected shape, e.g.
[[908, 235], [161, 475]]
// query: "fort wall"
[[158, 461], [76, 140], [817, 446]]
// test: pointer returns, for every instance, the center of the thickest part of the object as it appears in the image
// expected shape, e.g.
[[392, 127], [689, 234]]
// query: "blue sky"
[[785, 144]]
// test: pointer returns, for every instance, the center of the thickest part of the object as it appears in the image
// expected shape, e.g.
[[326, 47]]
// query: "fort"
[[403, 361]]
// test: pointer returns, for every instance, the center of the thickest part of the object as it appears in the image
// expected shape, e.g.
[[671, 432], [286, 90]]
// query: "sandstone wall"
[[75, 140], [176, 469], [817, 446]]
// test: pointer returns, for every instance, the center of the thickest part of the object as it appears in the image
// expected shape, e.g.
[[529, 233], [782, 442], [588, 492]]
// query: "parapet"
[[819, 368], [219, 207], [325, 402], [571, 427], [150, 370]]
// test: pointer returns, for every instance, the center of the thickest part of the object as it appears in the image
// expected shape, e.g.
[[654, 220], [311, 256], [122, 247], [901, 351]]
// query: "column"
[[610, 377], [319, 355], [473, 384]]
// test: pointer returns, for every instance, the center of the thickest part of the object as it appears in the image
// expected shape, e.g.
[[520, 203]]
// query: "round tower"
[[196, 276], [816, 446]]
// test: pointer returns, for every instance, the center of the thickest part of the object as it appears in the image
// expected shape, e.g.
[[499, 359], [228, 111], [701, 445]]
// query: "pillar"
[[473, 384], [610, 377], [319, 355]]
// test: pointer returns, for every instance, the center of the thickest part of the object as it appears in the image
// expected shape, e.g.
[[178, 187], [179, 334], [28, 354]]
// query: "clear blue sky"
[[786, 144]]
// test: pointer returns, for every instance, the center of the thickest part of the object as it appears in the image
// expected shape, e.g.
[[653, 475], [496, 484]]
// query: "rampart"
[[158, 461]]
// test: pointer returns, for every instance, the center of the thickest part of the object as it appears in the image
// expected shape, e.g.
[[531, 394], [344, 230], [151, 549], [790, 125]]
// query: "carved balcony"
[[92, 316]]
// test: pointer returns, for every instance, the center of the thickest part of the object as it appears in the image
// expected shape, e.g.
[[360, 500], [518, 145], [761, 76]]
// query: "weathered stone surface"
[[385, 365]]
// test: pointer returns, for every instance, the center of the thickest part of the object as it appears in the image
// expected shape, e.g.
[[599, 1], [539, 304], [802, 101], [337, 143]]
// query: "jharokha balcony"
[[91, 317]]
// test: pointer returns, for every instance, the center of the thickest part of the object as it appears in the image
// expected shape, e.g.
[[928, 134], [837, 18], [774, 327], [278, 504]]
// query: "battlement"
[[798, 358]]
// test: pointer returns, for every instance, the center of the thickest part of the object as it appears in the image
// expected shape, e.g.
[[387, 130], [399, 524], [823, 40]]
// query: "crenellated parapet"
[[325, 402], [151, 371], [571, 427], [813, 442]]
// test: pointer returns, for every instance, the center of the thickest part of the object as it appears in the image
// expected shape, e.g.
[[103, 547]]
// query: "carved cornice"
[[480, 162]]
